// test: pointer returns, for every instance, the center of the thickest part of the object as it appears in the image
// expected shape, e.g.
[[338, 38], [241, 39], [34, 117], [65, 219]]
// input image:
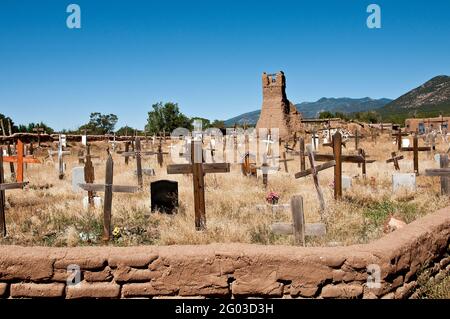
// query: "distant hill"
[[312, 109], [428, 100]]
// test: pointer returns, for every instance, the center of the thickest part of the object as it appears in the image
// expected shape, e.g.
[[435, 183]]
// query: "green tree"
[[29, 128], [126, 131], [326, 115], [100, 123], [165, 118], [205, 122], [218, 124]]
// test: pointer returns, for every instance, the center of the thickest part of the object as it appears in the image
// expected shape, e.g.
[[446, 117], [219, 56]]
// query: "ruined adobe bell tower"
[[277, 111]]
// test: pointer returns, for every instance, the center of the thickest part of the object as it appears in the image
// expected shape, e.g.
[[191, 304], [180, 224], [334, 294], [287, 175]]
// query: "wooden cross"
[[284, 160], [20, 159], [443, 172], [39, 130], [394, 159], [3, 187], [314, 170], [398, 137], [109, 189], [160, 154], [248, 168], [89, 174], [339, 158], [60, 153], [300, 152], [137, 153], [416, 149], [198, 169], [298, 228]]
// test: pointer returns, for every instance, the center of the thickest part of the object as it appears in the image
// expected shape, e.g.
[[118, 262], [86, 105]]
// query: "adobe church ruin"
[[277, 111]]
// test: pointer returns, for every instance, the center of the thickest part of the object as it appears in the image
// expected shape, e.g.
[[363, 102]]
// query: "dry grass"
[[55, 216]]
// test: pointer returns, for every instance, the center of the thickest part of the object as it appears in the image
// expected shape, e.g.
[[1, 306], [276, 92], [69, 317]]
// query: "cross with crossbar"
[[20, 159], [198, 169]]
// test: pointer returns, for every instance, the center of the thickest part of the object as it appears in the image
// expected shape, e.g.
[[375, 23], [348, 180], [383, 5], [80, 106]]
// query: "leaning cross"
[[109, 189], [443, 172], [394, 159], [20, 159], [3, 187], [285, 160], [314, 170], [416, 149], [198, 169]]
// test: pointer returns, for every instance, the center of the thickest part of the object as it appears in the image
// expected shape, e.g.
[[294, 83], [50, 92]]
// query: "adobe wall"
[[236, 270]]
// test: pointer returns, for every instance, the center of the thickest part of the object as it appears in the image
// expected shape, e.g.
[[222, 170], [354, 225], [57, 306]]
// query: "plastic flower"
[[272, 197], [116, 232]]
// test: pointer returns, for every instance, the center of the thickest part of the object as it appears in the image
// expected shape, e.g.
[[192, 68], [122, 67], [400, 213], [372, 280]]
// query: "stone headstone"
[[77, 178], [346, 182], [404, 180], [97, 202], [405, 142], [164, 196]]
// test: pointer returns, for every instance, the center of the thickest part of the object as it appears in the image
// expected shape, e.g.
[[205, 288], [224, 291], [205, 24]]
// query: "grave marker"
[[299, 228], [198, 169], [314, 170], [404, 180], [20, 159], [416, 149], [77, 178], [5, 186], [443, 172], [138, 153], [109, 189], [394, 159], [61, 153], [164, 196]]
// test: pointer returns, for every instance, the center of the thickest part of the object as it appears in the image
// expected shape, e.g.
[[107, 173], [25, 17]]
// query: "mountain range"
[[428, 100], [313, 109]]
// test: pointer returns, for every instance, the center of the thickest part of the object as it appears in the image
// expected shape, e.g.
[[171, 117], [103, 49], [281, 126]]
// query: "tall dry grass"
[[47, 212]]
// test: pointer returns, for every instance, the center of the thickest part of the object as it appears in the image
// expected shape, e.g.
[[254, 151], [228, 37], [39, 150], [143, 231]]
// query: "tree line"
[[163, 117]]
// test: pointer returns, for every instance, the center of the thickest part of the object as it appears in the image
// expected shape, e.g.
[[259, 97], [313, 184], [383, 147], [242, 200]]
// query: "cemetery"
[[319, 203]]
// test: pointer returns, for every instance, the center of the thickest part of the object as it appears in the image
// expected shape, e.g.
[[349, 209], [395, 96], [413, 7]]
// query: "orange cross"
[[20, 160]]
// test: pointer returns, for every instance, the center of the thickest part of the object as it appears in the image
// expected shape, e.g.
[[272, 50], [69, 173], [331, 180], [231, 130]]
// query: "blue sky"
[[208, 56]]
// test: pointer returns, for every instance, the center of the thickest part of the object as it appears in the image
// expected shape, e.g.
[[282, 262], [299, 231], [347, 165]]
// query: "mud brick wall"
[[234, 270]]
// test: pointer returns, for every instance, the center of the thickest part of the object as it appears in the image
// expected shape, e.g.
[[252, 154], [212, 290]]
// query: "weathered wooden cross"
[[285, 160], [416, 149], [314, 170], [339, 158], [299, 228], [89, 174], [198, 169], [394, 159], [109, 189], [443, 172], [398, 137], [4, 186], [20, 159], [138, 153], [300, 152]]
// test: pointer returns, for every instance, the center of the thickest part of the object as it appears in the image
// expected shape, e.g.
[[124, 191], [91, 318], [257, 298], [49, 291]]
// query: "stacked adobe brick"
[[233, 270]]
